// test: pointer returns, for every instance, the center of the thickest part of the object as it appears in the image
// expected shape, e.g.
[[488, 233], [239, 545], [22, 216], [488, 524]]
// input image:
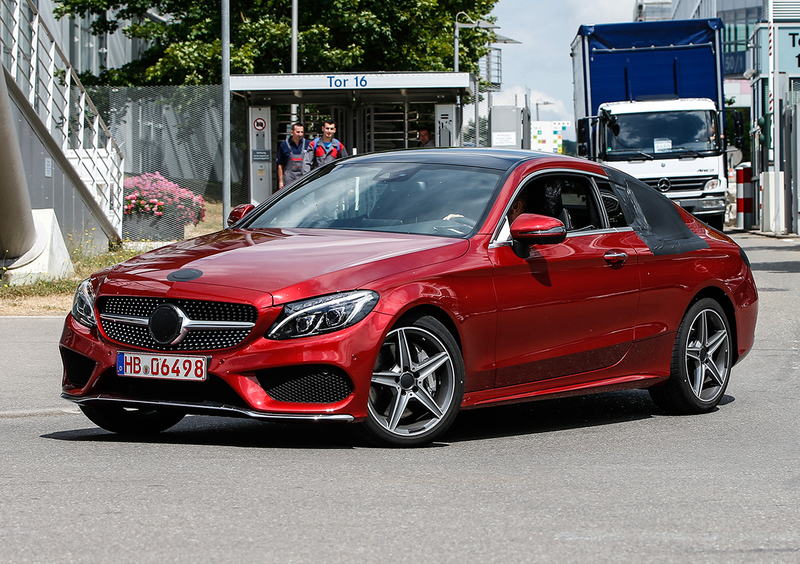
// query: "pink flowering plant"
[[152, 194]]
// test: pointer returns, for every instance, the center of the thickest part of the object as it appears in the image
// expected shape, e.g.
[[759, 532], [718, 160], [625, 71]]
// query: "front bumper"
[[207, 409], [710, 205], [239, 378]]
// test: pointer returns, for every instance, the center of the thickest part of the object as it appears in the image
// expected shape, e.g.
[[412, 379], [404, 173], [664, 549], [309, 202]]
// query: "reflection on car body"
[[390, 290]]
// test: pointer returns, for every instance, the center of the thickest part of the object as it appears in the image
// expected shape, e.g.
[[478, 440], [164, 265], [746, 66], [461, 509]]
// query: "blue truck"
[[649, 101]]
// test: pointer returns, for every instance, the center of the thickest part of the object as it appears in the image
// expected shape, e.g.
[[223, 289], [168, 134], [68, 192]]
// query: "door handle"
[[615, 257]]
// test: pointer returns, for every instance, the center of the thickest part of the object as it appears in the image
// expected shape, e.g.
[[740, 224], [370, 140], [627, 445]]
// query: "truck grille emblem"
[[663, 185]]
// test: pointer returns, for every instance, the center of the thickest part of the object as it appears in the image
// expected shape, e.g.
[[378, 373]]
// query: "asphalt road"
[[604, 478]]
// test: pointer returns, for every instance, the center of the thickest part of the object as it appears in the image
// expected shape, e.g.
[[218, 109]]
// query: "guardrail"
[[45, 76]]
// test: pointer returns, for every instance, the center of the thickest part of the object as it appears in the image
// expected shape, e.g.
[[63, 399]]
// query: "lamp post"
[[482, 24], [294, 53], [541, 102], [226, 108]]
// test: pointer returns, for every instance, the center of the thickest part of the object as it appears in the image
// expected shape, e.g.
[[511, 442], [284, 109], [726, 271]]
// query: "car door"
[[570, 307]]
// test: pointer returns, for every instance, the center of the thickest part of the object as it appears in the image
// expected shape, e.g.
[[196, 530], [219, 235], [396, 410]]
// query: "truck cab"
[[673, 145]]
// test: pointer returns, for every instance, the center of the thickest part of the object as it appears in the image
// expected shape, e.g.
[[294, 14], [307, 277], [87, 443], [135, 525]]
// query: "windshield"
[[661, 134], [437, 199]]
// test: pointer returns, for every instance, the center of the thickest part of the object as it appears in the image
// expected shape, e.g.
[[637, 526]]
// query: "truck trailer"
[[649, 101]]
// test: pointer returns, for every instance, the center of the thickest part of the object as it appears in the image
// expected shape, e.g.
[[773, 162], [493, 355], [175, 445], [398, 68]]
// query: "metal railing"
[[45, 76]]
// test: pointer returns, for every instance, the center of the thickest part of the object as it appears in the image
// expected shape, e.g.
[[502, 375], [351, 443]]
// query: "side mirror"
[[529, 229], [582, 131], [239, 212], [738, 126]]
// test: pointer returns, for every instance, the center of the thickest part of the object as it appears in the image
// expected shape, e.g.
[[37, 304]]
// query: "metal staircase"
[[46, 88]]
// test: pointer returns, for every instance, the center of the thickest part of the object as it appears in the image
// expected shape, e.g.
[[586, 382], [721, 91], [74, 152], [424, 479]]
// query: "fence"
[[171, 138]]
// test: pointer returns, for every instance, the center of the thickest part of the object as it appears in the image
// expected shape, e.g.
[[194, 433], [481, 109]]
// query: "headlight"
[[711, 184], [322, 315], [83, 304]]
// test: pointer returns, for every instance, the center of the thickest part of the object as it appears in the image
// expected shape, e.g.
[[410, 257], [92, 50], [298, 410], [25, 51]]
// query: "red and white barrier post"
[[744, 198]]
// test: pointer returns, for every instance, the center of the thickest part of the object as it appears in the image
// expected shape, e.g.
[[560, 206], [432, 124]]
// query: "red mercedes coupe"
[[394, 289]]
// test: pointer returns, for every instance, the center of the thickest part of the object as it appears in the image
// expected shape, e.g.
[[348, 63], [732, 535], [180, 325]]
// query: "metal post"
[[477, 112], [226, 109], [294, 36], [455, 47], [295, 118]]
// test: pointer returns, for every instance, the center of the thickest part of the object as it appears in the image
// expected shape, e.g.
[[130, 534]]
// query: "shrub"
[[152, 194]]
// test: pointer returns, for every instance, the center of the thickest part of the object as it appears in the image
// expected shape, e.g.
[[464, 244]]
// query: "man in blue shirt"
[[294, 157]]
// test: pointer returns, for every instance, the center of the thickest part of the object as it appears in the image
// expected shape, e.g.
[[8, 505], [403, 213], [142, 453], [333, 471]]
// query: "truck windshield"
[[662, 134]]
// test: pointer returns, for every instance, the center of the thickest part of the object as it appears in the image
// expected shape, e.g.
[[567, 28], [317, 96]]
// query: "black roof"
[[498, 159]]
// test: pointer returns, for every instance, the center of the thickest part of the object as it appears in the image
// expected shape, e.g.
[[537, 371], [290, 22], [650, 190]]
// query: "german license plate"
[[161, 366]]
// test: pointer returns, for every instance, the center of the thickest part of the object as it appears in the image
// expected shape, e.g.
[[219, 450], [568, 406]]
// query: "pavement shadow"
[[788, 266], [225, 431], [544, 416]]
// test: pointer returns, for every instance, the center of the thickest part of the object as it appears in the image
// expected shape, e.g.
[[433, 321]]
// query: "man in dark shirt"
[[294, 157]]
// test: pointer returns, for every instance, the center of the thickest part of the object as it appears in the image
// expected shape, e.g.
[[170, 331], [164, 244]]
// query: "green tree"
[[334, 36]]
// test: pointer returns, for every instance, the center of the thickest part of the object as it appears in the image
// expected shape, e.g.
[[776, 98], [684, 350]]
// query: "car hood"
[[289, 264]]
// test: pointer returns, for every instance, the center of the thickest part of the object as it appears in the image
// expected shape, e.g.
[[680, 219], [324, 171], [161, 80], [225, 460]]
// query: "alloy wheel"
[[707, 359], [414, 383]]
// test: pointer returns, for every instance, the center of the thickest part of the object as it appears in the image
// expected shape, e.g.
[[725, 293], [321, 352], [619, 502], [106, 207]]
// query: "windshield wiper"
[[687, 150], [637, 151]]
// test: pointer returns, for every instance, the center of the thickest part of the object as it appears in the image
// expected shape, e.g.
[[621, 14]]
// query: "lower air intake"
[[306, 384], [77, 368]]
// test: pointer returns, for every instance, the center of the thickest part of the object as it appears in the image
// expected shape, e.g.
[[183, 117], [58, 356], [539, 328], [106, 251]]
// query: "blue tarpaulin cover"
[[641, 60]]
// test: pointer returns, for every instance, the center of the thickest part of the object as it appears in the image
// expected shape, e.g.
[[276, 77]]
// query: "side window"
[[569, 198], [616, 217]]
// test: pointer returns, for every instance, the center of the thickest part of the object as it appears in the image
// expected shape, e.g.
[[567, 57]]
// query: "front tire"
[[701, 362], [417, 384], [131, 421]]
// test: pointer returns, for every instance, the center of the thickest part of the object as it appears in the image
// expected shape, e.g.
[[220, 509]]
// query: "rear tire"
[[131, 421], [417, 385], [701, 362]]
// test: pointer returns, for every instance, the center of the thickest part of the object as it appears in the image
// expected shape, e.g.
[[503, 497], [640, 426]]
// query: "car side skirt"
[[635, 370]]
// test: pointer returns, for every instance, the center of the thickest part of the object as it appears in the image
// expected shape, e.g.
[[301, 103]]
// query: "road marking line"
[[39, 412]]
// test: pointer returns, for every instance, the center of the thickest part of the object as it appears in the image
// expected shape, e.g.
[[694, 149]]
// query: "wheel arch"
[[437, 313], [718, 295]]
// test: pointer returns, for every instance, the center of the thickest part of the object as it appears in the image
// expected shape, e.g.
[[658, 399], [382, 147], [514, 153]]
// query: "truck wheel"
[[717, 222]]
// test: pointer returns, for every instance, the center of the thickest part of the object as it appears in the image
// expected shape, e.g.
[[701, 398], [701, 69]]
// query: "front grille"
[[77, 368], [213, 390], [306, 384], [196, 310], [681, 183]]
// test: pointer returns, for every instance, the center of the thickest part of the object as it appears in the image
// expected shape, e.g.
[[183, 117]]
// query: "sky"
[[546, 29]]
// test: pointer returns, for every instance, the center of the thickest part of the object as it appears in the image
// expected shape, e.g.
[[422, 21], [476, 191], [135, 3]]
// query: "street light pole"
[[541, 102], [294, 36], [455, 45], [294, 53], [226, 108], [482, 24]]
